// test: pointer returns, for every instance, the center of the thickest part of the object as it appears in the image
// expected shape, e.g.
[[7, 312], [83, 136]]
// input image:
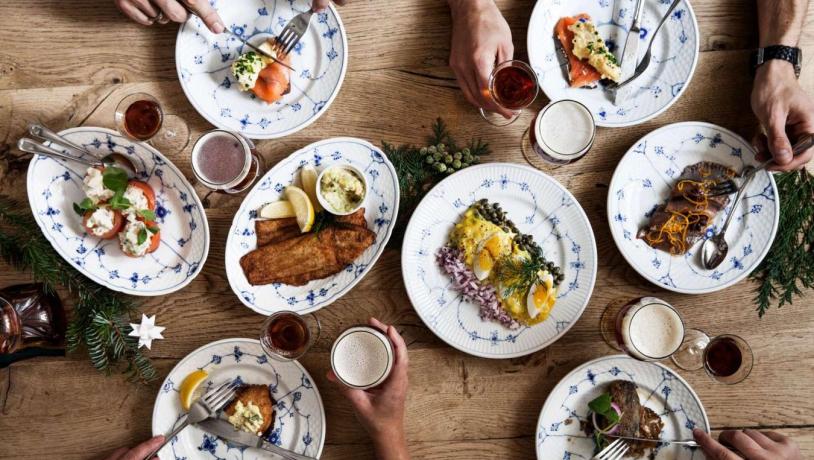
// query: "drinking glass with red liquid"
[[512, 86], [287, 335], [225, 162], [726, 358], [141, 118]]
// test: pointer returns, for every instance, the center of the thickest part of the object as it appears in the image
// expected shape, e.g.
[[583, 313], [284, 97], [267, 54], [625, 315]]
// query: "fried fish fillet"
[[259, 396], [276, 230], [307, 257]]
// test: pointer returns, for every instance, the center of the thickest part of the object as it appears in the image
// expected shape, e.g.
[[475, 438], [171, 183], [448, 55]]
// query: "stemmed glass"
[[140, 117], [726, 358], [512, 86]]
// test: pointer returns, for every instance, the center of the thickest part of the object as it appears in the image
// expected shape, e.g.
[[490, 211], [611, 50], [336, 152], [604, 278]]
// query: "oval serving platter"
[[539, 206], [54, 185], [675, 54], [381, 209], [203, 61], [559, 431], [299, 424], [643, 180]]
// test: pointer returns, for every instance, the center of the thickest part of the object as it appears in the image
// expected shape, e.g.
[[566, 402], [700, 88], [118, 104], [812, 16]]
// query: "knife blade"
[[225, 430], [630, 54], [258, 50]]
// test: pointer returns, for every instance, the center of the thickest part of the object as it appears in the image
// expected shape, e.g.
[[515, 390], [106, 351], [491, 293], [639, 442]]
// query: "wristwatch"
[[786, 53]]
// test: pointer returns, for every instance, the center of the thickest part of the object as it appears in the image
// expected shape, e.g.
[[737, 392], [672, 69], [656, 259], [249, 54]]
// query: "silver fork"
[[205, 407], [293, 32], [615, 451]]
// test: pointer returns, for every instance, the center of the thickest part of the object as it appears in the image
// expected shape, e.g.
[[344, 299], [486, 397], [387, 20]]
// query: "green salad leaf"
[[142, 236], [147, 214], [602, 406], [84, 206], [118, 201]]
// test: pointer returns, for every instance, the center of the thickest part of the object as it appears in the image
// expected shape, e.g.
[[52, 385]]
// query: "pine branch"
[[100, 315]]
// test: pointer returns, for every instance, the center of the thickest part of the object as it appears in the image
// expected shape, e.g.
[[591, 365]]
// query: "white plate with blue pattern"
[[539, 206], [203, 61], [643, 180], [381, 208], [54, 185], [559, 435], [675, 54], [299, 422]]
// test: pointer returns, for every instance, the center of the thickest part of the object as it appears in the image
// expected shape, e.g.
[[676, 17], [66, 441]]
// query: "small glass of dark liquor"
[[225, 162], [726, 358], [141, 118], [512, 86], [287, 335], [560, 134]]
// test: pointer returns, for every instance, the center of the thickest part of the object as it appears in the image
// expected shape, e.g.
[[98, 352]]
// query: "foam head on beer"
[[652, 329], [362, 357]]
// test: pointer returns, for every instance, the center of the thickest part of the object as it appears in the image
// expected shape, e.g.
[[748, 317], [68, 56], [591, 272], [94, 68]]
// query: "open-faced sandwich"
[[299, 240], [252, 410], [115, 206], [266, 78], [499, 269], [675, 226], [589, 59], [618, 412]]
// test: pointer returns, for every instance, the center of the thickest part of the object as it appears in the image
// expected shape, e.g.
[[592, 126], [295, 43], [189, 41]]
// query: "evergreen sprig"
[[788, 268], [100, 316]]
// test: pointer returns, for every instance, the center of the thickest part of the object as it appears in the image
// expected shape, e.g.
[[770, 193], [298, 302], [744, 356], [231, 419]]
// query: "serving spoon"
[[714, 249]]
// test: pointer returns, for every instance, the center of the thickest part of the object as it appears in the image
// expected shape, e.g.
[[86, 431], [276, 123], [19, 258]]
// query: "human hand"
[[138, 452], [319, 5], [480, 38], [751, 444], [148, 12], [380, 410], [786, 113]]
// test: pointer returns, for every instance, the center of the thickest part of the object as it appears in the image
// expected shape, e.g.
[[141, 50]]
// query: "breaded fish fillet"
[[276, 230]]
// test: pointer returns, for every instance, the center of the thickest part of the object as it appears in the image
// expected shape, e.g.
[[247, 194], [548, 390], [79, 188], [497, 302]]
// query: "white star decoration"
[[147, 331]]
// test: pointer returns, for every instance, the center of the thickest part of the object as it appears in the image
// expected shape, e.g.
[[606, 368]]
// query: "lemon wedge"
[[303, 208], [277, 210], [188, 390], [308, 177]]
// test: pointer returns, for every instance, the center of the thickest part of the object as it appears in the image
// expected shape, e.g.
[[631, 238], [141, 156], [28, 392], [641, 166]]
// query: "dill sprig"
[[789, 266], [100, 317], [519, 274], [321, 221]]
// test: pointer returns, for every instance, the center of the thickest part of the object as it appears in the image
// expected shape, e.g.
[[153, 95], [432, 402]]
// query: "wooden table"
[[67, 63]]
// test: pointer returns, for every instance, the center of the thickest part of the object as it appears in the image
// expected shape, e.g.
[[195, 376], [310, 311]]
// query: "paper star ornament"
[[147, 331]]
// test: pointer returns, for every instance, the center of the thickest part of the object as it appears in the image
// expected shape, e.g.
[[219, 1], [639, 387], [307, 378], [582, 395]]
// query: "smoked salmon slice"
[[273, 82], [580, 72]]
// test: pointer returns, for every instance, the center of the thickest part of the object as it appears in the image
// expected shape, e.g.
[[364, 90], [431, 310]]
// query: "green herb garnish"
[[153, 229], [602, 406], [84, 206], [115, 178], [118, 201], [142, 236], [321, 221], [146, 214]]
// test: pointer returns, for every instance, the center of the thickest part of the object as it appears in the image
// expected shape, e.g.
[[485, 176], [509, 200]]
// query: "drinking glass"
[[287, 335], [646, 328], [512, 86], [249, 168], [562, 133], [726, 358], [362, 357], [141, 118]]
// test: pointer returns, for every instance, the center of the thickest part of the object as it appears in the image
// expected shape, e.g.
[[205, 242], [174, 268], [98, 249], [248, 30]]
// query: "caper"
[[441, 146], [505, 229], [476, 158], [432, 149], [423, 150], [429, 160], [441, 167], [457, 155], [464, 165], [436, 156], [448, 159], [456, 164], [468, 158], [466, 151]]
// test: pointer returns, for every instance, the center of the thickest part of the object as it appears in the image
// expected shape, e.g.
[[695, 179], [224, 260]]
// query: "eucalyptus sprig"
[[100, 316], [788, 268]]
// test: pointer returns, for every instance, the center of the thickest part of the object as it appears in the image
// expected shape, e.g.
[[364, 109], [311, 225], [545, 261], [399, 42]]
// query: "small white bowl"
[[327, 205]]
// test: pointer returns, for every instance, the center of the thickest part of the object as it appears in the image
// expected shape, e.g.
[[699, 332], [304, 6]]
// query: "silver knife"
[[258, 50], [225, 430], [631, 53]]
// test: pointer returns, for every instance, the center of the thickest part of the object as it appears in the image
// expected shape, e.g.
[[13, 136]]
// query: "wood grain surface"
[[67, 63]]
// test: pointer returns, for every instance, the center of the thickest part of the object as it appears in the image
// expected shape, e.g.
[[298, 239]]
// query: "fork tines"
[[615, 451], [218, 397], [287, 40], [726, 187]]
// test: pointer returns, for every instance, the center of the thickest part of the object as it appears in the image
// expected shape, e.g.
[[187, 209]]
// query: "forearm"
[[780, 21], [391, 445]]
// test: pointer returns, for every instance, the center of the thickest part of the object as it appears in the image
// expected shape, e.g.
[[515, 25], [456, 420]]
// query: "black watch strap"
[[786, 53]]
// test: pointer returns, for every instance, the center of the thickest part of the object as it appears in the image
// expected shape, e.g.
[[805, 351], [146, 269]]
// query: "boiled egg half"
[[488, 252], [541, 296]]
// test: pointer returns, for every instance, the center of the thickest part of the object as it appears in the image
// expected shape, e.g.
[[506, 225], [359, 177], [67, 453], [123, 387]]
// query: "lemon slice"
[[188, 390], [277, 210], [308, 177], [302, 205]]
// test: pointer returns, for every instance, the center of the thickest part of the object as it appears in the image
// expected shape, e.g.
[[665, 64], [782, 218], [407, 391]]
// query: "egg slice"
[[541, 296], [488, 252]]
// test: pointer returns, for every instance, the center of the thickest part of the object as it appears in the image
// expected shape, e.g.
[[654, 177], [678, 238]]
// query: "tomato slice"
[[118, 222], [145, 188], [155, 238]]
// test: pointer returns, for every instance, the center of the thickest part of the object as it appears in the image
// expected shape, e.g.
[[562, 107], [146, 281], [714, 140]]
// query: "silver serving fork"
[[204, 408], [615, 451], [293, 32]]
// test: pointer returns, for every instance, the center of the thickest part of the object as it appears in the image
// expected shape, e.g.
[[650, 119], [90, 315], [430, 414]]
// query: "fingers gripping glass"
[[513, 87]]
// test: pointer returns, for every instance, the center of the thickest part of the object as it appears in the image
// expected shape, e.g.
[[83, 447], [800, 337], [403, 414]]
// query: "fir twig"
[[100, 315], [788, 268]]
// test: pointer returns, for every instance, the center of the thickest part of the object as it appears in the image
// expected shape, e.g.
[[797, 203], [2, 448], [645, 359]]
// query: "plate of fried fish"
[[312, 227], [499, 260], [662, 205], [620, 396], [575, 48], [238, 89], [277, 401]]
